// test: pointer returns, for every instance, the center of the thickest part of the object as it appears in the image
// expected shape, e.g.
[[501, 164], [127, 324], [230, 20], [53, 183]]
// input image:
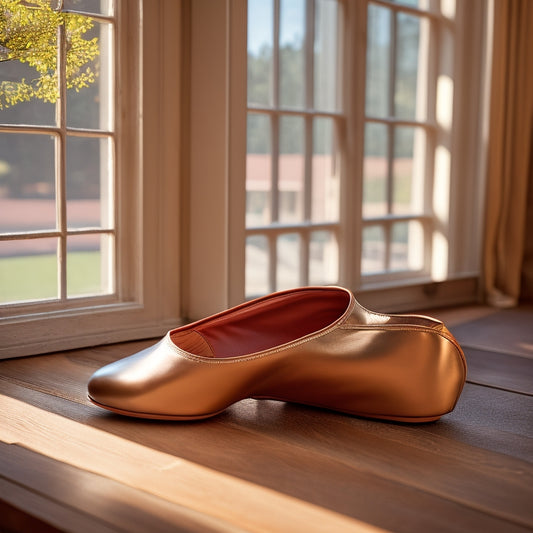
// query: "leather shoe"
[[314, 345]]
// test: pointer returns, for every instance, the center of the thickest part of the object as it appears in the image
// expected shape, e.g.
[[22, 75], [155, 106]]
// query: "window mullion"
[[274, 130], [272, 260], [388, 245], [391, 110], [391, 136], [308, 168], [305, 238], [310, 14], [61, 162], [275, 55], [309, 104], [309, 53], [274, 186]]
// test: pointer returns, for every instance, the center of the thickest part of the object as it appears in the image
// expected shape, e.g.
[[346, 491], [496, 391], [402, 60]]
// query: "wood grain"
[[264, 465], [485, 368], [69, 495], [165, 476]]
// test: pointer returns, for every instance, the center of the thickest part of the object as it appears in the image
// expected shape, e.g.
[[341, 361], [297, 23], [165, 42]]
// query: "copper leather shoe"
[[312, 345]]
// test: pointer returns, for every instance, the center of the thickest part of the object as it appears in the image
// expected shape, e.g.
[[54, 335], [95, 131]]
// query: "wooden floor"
[[270, 466]]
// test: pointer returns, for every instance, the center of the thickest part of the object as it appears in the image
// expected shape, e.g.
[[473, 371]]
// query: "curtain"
[[509, 161]]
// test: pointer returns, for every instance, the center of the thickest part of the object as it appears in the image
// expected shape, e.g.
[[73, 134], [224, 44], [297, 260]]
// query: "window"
[[345, 146], [82, 213], [293, 125], [57, 222], [423, 118], [401, 134], [406, 130]]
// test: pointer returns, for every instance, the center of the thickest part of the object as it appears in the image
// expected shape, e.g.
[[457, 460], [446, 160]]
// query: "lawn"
[[34, 277]]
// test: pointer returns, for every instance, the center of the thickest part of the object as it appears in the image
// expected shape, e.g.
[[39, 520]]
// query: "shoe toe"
[[106, 386]]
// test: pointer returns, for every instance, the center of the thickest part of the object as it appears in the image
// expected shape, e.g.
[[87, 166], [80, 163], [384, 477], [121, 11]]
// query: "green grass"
[[35, 277]]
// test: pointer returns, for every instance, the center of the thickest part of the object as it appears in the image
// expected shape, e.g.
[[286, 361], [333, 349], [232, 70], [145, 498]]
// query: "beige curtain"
[[509, 161]]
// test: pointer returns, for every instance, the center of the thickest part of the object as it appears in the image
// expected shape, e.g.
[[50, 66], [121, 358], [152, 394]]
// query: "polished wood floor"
[[269, 466]]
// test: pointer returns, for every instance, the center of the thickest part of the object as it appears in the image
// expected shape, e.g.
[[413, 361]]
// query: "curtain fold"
[[509, 161]]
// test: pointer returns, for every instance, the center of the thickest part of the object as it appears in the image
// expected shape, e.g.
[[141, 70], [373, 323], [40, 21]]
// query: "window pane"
[[288, 264], [373, 258], [375, 170], [408, 170], [14, 77], [89, 182], [102, 7], [325, 55], [28, 270], [257, 266], [27, 182], [291, 53], [291, 169], [323, 258], [260, 47], [378, 62], [258, 170], [407, 248], [91, 106], [407, 67], [326, 181], [28, 62], [90, 262]]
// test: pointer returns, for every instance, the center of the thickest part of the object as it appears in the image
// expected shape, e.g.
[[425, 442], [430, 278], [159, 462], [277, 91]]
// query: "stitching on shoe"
[[336, 325]]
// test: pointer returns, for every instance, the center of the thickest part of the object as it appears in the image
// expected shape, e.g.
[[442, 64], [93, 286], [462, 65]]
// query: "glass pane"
[[260, 47], [27, 182], [323, 258], [90, 261], [408, 170], [375, 170], [325, 55], [89, 182], [373, 259], [89, 100], [291, 53], [378, 62], [19, 100], [258, 170], [291, 169], [326, 180], [28, 270], [407, 67], [257, 266], [102, 7], [288, 264], [28, 63], [407, 248]]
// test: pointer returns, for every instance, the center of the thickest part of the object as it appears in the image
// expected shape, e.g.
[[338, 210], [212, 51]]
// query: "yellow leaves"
[[29, 34]]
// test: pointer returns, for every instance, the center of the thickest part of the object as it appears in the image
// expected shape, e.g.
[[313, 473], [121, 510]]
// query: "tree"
[[29, 34]]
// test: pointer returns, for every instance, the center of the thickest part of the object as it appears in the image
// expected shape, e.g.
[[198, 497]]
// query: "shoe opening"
[[265, 323]]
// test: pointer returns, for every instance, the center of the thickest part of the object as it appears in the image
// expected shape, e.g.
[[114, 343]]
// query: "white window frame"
[[147, 300], [217, 170]]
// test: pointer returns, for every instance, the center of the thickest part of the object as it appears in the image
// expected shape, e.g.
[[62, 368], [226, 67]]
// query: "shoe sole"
[[184, 418]]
